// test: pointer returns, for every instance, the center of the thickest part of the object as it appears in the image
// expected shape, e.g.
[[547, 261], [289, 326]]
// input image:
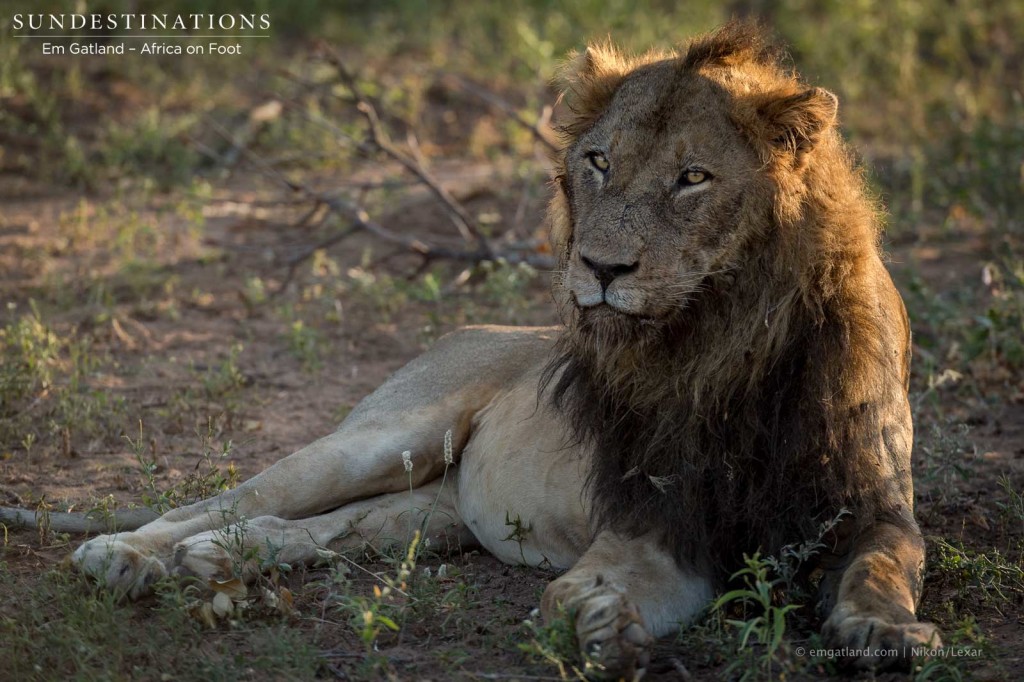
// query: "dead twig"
[[360, 219], [380, 139], [295, 261], [537, 128]]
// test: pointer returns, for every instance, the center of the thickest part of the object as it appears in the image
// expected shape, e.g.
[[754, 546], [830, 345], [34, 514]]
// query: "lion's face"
[[656, 189], [669, 174]]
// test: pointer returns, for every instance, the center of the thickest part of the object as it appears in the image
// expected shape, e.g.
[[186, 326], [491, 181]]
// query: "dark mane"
[[735, 468]]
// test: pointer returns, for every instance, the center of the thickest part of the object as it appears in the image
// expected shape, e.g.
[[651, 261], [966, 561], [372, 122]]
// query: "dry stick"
[[295, 261], [361, 220], [536, 129], [380, 139]]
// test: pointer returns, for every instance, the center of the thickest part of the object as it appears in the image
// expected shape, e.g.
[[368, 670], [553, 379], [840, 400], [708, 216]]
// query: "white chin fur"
[[589, 299]]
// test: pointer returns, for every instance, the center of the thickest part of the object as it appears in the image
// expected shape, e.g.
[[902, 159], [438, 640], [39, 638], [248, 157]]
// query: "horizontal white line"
[[87, 37]]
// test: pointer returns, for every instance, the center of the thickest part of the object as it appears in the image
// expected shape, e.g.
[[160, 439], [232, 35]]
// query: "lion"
[[731, 373]]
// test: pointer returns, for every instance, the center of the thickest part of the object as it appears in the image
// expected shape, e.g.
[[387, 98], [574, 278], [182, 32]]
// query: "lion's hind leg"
[[437, 393], [246, 548], [871, 603], [118, 565]]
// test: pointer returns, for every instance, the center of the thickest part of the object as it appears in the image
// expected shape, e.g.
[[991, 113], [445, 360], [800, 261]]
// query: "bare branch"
[[380, 139], [295, 261], [537, 129], [360, 220]]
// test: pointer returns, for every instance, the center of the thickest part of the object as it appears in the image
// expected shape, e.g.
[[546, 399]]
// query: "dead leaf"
[[286, 597], [203, 612], [235, 589], [124, 337]]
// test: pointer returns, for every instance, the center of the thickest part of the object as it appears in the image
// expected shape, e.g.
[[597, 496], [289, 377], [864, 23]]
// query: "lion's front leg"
[[620, 595], [874, 597]]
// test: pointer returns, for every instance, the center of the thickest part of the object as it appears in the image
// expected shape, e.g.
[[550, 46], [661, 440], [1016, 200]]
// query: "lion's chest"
[[520, 486]]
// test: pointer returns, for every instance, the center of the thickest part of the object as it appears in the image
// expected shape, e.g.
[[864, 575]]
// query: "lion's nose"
[[606, 272]]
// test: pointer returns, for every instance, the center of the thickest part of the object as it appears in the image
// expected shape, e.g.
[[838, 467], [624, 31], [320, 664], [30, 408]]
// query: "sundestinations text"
[[141, 22]]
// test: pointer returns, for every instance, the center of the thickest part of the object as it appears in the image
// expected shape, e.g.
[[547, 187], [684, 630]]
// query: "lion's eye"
[[693, 176], [599, 161]]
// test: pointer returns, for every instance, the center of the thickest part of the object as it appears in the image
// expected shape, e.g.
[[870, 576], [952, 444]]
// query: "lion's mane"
[[771, 401]]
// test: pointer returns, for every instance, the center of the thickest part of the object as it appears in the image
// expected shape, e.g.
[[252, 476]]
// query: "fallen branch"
[[380, 139], [536, 129], [77, 522], [360, 219]]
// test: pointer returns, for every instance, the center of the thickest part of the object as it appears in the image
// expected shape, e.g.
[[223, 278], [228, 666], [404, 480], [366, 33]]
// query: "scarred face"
[[666, 182], [656, 195]]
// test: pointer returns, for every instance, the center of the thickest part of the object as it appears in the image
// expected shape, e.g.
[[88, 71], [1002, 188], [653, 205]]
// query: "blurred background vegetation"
[[931, 99], [930, 89], [930, 96]]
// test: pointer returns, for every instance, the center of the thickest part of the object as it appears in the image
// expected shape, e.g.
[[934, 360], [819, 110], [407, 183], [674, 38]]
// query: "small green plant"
[[380, 291], [449, 460], [406, 594], [500, 292], [234, 539], [771, 592], [382, 610], [792, 558], [998, 334], [962, 644], [555, 643], [206, 479], [45, 394], [255, 292], [306, 344], [225, 380], [505, 286], [30, 354], [977, 576], [151, 146], [760, 635], [1013, 509], [518, 533], [944, 455]]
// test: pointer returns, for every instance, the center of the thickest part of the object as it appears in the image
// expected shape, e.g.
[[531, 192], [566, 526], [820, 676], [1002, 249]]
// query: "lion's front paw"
[[609, 628], [118, 566], [874, 643]]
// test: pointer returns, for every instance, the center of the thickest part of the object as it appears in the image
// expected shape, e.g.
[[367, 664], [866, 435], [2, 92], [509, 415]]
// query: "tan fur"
[[710, 330]]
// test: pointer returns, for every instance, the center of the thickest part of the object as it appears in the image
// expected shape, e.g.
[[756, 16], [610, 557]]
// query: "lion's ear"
[[587, 82], [792, 124]]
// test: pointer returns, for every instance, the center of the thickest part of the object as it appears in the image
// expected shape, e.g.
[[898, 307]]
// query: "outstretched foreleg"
[[621, 594], [870, 603]]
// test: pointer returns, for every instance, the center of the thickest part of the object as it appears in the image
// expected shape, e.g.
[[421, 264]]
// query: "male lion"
[[732, 373]]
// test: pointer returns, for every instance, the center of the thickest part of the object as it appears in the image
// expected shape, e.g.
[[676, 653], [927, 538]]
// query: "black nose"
[[606, 272]]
